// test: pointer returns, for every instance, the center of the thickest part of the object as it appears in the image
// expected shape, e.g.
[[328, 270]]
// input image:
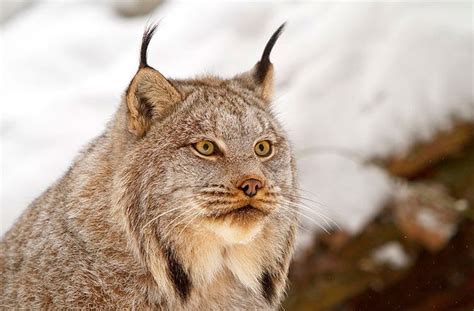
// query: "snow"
[[367, 77], [433, 222], [428, 219], [391, 254]]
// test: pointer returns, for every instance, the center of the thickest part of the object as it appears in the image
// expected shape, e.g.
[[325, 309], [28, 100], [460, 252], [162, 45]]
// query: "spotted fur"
[[141, 221]]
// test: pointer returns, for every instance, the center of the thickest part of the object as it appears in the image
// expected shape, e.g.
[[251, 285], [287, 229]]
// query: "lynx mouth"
[[245, 211]]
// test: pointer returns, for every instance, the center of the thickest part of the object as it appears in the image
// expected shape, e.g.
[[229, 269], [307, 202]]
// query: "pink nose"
[[251, 186]]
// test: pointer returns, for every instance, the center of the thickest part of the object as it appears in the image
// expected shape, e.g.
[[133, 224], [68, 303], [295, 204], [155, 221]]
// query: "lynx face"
[[222, 164]]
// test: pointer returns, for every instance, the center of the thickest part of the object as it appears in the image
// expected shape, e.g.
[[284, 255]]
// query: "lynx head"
[[204, 156]]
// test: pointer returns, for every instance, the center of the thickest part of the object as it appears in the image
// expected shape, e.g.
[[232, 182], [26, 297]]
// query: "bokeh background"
[[377, 98]]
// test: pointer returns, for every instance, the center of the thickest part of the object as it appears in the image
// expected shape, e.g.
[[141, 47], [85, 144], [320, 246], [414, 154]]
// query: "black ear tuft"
[[264, 63], [147, 35]]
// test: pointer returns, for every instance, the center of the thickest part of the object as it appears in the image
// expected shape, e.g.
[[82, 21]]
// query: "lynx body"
[[185, 202]]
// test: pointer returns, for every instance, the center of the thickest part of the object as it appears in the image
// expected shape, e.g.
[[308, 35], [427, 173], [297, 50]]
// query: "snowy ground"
[[366, 77]]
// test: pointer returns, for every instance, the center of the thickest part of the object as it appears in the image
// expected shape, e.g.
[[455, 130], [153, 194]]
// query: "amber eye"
[[263, 148], [205, 147]]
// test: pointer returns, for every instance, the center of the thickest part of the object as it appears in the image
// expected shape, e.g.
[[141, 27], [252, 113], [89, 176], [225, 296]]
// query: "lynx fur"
[[142, 221]]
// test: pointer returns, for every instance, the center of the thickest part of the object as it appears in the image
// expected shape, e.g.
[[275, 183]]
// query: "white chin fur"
[[234, 233]]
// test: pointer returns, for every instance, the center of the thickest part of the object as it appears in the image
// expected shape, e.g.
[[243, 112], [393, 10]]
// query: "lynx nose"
[[251, 186]]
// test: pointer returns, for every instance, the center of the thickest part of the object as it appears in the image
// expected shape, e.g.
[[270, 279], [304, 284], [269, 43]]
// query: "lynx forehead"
[[185, 202]]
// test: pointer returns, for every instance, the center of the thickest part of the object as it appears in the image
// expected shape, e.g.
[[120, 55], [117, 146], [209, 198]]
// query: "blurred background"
[[377, 98]]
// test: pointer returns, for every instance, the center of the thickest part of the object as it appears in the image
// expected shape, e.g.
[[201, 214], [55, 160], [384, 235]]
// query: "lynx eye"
[[263, 148], [205, 147]]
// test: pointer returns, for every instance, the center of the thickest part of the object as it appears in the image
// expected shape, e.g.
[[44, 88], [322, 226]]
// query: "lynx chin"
[[185, 202]]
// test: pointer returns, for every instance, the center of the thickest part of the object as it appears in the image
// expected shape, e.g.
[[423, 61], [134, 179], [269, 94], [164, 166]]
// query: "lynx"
[[185, 202]]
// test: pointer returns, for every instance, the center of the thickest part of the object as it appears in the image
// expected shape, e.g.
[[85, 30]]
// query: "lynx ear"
[[150, 95], [260, 77]]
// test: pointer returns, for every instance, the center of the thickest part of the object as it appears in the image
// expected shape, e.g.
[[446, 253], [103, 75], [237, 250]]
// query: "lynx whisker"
[[188, 211], [285, 205], [168, 211], [310, 209], [160, 215], [196, 215], [328, 220]]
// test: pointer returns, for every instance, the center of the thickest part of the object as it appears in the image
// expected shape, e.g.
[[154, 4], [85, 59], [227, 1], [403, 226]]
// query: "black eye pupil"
[[261, 147], [205, 147]]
